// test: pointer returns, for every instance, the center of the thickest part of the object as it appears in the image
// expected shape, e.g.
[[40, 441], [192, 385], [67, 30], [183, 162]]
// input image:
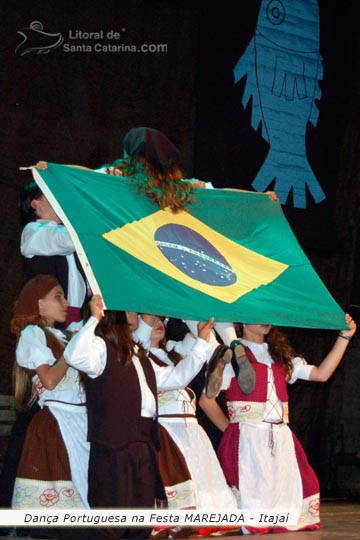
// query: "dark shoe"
[[215, 368], [227, 532], [246, 376], [180, 532], [9, 532], [159, 533], [20, 532]]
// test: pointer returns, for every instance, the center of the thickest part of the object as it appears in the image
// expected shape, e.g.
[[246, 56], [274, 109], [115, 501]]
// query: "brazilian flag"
[[231, 256]]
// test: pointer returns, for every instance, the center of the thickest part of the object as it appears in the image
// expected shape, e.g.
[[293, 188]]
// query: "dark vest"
[[114, 402], [55, 265]]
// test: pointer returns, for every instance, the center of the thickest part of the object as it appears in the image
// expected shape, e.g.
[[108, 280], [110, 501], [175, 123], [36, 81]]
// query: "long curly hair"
[[280, 349], [152, 162], [161, 185]]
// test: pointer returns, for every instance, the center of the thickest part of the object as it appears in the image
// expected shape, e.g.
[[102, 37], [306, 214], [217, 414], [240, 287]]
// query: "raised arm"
[[331, 361], [141, 327], [86, 351], [42, 165], [179, 376]]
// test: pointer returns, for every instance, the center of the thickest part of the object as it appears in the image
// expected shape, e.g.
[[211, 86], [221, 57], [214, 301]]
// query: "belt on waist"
[[177, 415], [271, 441], [64, 402]]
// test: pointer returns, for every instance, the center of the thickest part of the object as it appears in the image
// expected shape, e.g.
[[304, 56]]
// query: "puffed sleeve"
[[31, 350], [142, 334], [86, 351], [301, 369], [182, 347], [171, 378], [45, 238]]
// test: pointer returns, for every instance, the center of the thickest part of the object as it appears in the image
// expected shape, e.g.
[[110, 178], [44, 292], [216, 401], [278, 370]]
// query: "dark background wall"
[[70, 106]]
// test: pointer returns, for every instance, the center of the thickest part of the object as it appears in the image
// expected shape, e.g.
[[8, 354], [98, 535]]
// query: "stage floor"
[[340, 520]]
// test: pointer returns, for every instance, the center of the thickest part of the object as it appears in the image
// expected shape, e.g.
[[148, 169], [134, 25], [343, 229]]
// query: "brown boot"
[[227, 532], [180, 532], [215, 368], [246, 376]]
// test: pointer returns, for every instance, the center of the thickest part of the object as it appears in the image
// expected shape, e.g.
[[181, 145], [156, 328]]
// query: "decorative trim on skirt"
[[174, 473], [44, 477]]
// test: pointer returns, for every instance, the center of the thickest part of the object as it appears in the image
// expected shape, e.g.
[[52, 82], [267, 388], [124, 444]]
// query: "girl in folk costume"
[[47, 248], [262, 459], [54, 461], [189, 467], [121, 388], [153, 163]]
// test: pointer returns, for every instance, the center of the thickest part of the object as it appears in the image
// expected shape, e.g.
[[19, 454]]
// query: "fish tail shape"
[[293, 174], [280, 70]]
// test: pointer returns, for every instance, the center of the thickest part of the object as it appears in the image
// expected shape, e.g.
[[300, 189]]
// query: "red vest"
[[244, 406]]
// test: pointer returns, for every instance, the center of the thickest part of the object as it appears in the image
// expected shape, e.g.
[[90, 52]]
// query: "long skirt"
[[44, 478], [267, 468], [122, 478], [202, 485]]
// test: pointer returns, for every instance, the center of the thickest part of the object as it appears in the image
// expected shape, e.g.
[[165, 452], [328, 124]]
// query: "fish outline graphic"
[[36, 40], [283, 66]]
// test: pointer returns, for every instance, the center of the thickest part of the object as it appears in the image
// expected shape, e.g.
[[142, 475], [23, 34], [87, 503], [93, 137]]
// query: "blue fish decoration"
[[283, 65]]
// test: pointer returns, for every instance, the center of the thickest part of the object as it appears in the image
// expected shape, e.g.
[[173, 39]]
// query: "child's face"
[[256, 332], [158, 332], [44, 210], [53, 306]]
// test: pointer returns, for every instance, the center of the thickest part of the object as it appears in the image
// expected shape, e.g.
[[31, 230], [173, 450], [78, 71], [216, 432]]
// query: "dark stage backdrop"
[[230, 152], [74, 102]]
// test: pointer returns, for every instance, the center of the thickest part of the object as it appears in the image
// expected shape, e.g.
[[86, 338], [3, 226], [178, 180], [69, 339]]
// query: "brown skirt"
[[44, 456], [175, 474], [172, 464], [43, 478]]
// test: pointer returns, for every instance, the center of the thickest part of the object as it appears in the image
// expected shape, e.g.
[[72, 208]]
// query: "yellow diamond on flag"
[[187, 250]]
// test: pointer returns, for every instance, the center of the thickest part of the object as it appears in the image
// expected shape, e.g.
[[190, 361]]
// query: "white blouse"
[[32, 352], [48, 238], [273, 408], [87, 352]]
